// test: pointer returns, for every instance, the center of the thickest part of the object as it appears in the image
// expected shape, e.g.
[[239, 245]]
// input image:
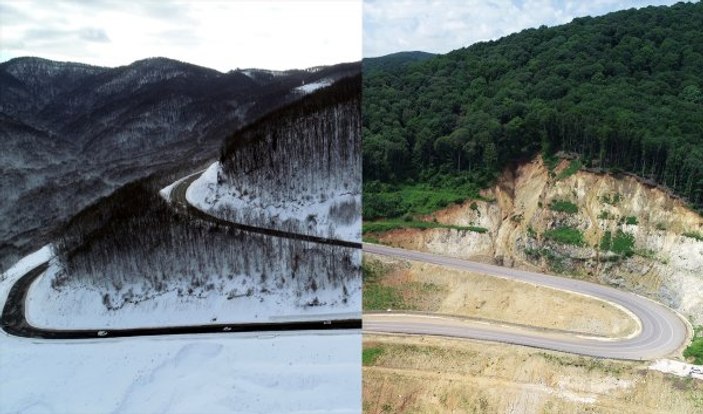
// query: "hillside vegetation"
[[621, 92], [310, 148]]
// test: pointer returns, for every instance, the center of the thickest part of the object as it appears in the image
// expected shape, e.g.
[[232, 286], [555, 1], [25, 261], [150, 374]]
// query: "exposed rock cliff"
[[611, 230]]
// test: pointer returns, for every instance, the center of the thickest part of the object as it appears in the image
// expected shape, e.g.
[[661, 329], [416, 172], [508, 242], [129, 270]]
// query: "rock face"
[[630, 234], [72, 133]]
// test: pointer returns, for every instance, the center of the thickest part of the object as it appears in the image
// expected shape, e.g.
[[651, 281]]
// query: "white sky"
[[440, 26], [219, 34]]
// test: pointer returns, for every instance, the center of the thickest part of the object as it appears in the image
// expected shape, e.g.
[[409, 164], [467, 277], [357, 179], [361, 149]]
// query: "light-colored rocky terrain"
[[440, 375], [432, 288], [665, 260]]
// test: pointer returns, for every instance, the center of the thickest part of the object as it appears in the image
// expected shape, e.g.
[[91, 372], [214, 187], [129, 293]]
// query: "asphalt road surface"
[[178, 199], [662, 332]]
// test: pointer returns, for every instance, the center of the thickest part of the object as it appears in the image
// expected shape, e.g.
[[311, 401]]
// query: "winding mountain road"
[[663, 332], [178, 199], [14, 322]]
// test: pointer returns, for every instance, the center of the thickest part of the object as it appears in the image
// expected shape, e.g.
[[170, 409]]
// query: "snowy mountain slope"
[[312, 87], [298, 169], [28, 84], [133, 260], [94, 129], [296, 283]]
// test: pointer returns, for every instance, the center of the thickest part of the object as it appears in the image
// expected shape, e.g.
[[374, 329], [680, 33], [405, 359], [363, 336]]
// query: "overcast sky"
[[440, 26], [220, 34]]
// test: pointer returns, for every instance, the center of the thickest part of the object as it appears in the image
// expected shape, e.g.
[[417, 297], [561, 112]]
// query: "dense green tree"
[[623, 91]]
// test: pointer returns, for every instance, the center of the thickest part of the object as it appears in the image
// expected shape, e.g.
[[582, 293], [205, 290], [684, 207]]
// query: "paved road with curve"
[[662, 333]]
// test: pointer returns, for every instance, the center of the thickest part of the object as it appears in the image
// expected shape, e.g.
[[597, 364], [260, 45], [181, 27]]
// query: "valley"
[[135, 259], [74, 133]]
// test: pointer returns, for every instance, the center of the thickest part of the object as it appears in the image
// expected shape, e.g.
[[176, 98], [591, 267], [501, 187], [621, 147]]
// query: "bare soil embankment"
[[432, 375], [432, 288], [612, 230]]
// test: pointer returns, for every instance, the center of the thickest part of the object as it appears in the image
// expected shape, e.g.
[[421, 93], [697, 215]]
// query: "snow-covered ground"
[[26, 264], [165, 192], [83, 308], [316, 216], [183, 374], [311, 87], [213, 373], [225, 279]]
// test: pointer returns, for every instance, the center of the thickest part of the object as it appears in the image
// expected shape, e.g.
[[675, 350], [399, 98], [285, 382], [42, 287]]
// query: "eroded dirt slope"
[[439, 375], [653, 248], [431, 288]]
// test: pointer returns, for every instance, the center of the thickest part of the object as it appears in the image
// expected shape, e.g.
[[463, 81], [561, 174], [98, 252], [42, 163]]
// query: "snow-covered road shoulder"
[[333, 215], [24, 265]]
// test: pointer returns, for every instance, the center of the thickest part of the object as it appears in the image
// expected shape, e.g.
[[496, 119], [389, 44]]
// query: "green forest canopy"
[[623, 91]]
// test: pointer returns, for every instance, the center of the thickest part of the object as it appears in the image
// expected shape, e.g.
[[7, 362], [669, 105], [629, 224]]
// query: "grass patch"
[[370, 239], [563, 206], [426, 288], [379, 297], [572, 169], [646, 253], [550, 161], [370, 354], [590, 364], [631, 220], [695, 350], [383, 200], [386, 286], [604, 215], [694, 235], [375, 295], [554, 261], [621, 243], [381, 226], [565, 235], [613, 199], [412, 351]]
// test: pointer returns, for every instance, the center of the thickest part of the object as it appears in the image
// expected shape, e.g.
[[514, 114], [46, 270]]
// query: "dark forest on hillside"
[[131, 245], [305, 152], [623, 92]]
